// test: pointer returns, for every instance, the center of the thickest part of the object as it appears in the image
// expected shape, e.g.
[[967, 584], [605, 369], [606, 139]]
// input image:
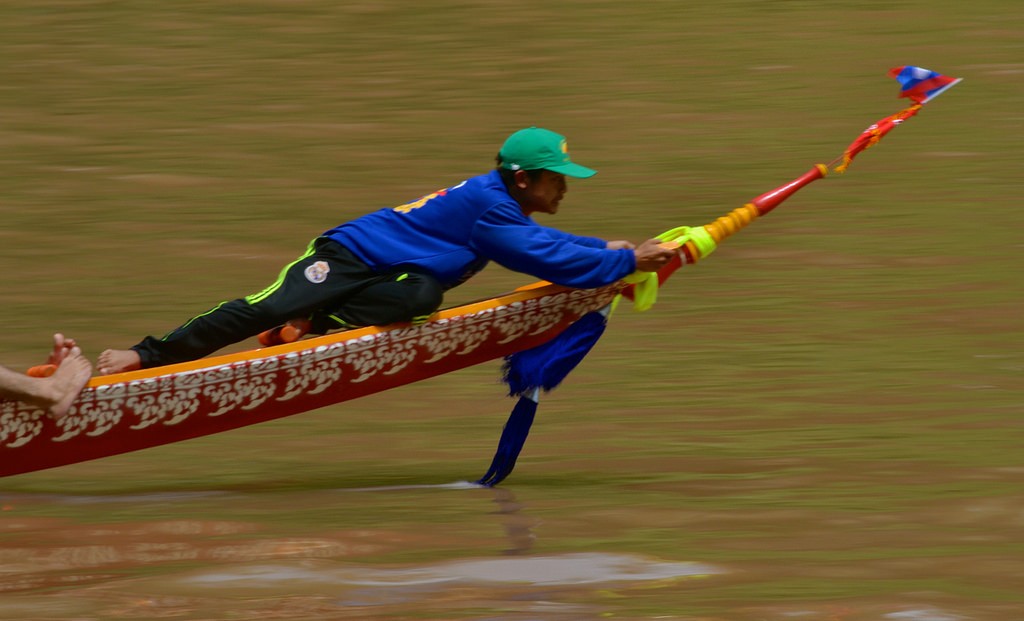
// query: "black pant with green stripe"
[[328, 285]]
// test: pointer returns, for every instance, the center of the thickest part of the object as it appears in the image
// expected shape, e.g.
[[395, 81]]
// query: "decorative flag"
[[919, 84]]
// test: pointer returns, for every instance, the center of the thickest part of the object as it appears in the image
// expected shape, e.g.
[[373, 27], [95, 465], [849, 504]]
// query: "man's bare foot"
[[67, 382], [118, 361]]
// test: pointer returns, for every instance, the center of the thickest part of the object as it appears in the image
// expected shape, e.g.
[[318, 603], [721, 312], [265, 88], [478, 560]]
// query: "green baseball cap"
[[534, 148]]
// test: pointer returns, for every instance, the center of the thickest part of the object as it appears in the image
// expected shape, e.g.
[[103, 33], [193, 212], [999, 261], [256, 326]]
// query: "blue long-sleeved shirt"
[[453, 233]]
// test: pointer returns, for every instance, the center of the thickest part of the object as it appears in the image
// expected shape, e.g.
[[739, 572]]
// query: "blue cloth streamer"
[[513, 436], [546, 365], [532, 370]]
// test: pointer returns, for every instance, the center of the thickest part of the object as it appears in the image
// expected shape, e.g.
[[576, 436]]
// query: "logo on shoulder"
[[317, 273]]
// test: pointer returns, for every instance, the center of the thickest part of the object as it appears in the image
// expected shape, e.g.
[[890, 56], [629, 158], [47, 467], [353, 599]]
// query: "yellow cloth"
[[645, 290]]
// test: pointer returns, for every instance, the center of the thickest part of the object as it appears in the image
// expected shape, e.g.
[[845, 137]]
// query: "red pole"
[[740, 217], [735, 220]]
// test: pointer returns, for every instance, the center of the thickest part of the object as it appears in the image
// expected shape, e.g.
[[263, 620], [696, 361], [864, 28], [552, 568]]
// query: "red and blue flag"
[[919, 84]]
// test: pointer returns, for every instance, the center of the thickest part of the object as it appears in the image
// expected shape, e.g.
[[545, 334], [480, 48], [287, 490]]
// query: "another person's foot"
[[118, 361], [62, 346], [68, 380]]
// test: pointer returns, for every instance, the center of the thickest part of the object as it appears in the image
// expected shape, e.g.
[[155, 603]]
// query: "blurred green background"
[[827, 408]]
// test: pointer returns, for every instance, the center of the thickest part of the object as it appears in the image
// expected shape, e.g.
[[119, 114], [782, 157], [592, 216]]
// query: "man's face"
[[542, 194]]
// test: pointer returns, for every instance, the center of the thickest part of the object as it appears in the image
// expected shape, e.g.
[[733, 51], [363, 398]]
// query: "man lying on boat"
[[394, 265]]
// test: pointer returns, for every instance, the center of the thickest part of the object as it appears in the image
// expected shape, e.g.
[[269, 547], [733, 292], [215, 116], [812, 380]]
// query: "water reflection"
[[552, 570], [518, 526], [141, 563]]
